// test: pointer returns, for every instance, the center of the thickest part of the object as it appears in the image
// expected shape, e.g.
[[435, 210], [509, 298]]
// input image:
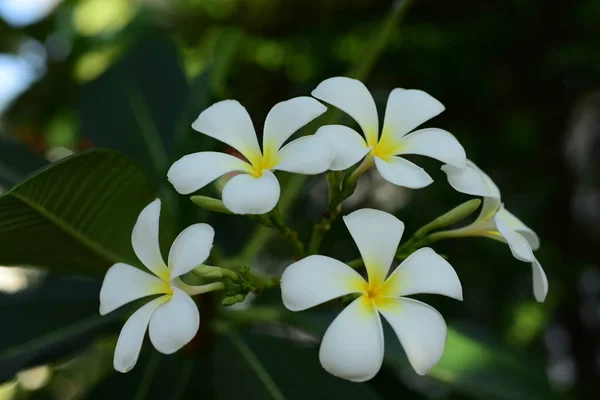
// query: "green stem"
[[287, 233], [334, 179]]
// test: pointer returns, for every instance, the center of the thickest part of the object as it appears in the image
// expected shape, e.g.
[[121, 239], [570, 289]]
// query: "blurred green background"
[[520, 80]]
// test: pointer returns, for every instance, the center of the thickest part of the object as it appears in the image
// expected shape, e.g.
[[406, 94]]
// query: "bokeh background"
[[520, 80]]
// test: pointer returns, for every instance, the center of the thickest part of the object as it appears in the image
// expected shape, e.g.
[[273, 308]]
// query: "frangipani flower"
[[495, 222], [173, 318], [256, 189], [353, 345], [406, 110]]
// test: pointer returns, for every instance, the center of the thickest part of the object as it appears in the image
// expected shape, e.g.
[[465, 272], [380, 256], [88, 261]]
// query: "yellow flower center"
[[268, 161], [386, 147]]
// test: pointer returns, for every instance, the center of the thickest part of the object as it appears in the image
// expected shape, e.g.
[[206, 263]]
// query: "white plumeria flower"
[[495, 222], [256, 190], [173, 318], [352, 347], [405, 110]]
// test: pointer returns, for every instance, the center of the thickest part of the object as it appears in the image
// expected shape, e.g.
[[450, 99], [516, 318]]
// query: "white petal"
[[308, 155], [229, 122], [424, 271], [317, 279], [519, 246], [407, 109], [144, 240], [352, 347], [516, 224], [420, 328], [124, 283], [287, 117], [245, 194], [190, 249], [352, 97], [489, 208], [402, 172], [194, 171], [377, 235], [540, 281], [132, 335], [471, 180], [349, 146], [435, 143], [174, 324]]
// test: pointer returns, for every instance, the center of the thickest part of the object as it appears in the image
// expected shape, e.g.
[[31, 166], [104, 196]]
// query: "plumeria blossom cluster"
[[353, 345]]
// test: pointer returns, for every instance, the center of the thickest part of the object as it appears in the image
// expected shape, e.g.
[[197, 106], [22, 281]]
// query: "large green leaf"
[[262, 367], [136, 105], [75, 215], [475, 367], [17, 161], [49, 321]]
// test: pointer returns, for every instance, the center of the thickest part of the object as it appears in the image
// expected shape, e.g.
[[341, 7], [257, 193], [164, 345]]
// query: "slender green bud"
[[451, 217], [210, 204], [210, 272]]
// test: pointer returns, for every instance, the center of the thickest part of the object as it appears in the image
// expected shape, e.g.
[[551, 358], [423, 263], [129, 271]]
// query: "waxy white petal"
[[123, 284], [307, 155], [424, 271], [245, 194], [132, 335], [194, 171], [352, 347], [540, 281], [229, 122], [435, 143], [174, 324], [420, 328], [190, 249], [402, 172], [287, 117], [377, 235], [352, 97], [489, 208], [519, 246], [407, 109], [317, 279], [144, 240], [516, 224], [349, 146], [471, 180]]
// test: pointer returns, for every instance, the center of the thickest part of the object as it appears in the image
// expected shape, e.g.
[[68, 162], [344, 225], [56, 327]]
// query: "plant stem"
[[335, 180], [287, 233]]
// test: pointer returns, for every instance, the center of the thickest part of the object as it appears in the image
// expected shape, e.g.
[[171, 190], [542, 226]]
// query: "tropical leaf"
[[48, 321], [469, 365], [259, 367], [75, 215], [136, 105]]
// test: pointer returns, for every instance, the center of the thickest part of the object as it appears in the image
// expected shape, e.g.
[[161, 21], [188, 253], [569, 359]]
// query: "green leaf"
[[17, 161], [76, 215], [136, 105], [264, 367], [50, 321], [469, 365]]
